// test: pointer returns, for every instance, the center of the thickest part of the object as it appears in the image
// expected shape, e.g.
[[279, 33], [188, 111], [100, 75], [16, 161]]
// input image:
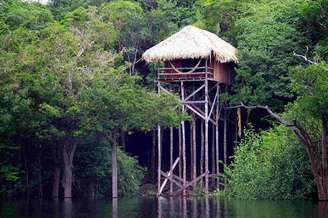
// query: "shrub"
[[269, 165]]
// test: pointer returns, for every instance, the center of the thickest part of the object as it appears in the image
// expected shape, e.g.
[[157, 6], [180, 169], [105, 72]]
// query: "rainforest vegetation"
[[71, 81]]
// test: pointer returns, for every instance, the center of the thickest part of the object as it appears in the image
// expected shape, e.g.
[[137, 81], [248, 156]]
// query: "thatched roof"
[[191, 42]]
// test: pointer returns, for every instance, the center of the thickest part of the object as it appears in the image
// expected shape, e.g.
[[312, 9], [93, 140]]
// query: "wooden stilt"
[[180, 153], [225, 141], [171, 155], [201, 150], [191, 149], [184, 208], [206, 131], [217, 135], [194, 149], [114, 208], [213, 154], [183, 141], [159, 152]]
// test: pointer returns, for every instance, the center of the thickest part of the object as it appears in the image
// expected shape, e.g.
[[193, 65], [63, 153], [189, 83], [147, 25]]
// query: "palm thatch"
[[191, 42]]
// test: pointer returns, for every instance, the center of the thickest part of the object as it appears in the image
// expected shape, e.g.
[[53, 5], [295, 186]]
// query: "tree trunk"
[[68, 181], [40, 172], [113, 138], [55, 186], [91, 188], [69, 148], [319, 163], [56, 173], [322, 180]]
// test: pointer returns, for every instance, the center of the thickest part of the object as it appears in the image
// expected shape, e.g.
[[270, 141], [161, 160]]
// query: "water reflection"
[[163, 208]]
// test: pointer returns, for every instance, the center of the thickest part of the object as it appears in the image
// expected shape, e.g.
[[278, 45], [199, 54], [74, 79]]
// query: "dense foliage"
[[71, 80], [269, 165], [65, 88]]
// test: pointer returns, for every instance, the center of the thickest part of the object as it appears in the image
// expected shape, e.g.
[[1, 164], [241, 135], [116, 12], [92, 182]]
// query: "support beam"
[[171, 154], [213, 105], [194, 93], [180, 153], [173, 178], [194, 149], [159, 150], [191, 149], [201, 150], [213, 170], [206, 132], [168, 175], [190, 183], [184, 162], [225, 140], [217, 133]]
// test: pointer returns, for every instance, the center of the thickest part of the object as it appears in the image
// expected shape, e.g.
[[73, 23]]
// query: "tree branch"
[[304, 57], [272, 114], [298, 130]]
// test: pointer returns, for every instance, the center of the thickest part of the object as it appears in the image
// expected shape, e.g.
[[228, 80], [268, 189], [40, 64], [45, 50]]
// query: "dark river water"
[[163, 207]]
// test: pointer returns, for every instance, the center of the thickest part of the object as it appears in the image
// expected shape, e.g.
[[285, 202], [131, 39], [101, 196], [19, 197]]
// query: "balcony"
[[185, 74]]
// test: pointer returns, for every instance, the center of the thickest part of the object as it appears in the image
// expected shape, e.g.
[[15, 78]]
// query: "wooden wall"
[[223, 72]]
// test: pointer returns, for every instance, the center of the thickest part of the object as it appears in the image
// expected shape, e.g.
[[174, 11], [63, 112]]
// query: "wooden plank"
[[183, 68], [169, 174], [189, 184], [172, 179], [185, 74], [193, 93], [166, 91], [193, 102], [213, 105], [195, 111]]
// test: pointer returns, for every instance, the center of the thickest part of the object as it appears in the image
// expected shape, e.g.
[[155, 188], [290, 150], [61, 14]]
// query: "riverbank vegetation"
[[269, 165], [71, 82]]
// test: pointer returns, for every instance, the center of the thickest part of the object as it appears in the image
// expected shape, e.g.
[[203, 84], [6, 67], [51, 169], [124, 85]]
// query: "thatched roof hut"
[[192, 43]]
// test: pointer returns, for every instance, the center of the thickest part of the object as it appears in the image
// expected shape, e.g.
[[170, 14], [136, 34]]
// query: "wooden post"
[[191, 149], [201, 150], [184, 208], [159, 157], [183, 141], [159, 151], [180, 153], [114, 208], [213, 154], [206, 131], [217, 134], [225, 141], [194, 149], [171, 155]]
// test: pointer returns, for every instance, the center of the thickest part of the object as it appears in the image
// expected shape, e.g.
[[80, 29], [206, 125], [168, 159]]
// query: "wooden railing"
[[170, 74]]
